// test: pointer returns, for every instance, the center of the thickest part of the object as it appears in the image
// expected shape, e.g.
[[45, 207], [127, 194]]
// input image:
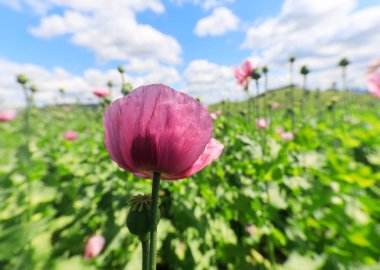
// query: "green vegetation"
[[309, 203]]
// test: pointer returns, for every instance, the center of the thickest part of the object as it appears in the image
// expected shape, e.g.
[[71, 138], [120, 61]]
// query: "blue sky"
[[178, 21], [188, 44]]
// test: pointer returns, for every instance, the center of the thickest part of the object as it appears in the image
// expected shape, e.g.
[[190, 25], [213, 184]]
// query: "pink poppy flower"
[[262, 123], [7, 116], [275, 105], [101, 92], [94, 246], [279, 131], [70, 135], [158, 129], [251, 229], [373, 83], [214, 115], [287, 136], [243, 73]]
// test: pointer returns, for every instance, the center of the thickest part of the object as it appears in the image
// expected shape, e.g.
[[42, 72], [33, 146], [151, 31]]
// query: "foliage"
[[314, 199]]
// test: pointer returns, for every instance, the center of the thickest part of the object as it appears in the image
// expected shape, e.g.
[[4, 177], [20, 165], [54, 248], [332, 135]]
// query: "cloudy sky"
[[190, 45]]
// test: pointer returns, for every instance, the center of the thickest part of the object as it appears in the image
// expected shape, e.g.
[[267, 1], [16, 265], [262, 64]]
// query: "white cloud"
[[211, 82], [221, 21], [205, 4], [319, 33], [108, 28], [49, 81], [43, 6]]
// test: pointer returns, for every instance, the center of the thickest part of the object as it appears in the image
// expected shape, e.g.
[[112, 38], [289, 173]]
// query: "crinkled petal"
[[112, 121], [213, 150], [247, 68], [238, 74]]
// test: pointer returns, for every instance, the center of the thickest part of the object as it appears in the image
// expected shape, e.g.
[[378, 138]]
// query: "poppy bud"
[[22, 79], [106, 101], [139, 215], [290, 111], [304, 70], [256, 74], [343, 62], [33, 88], [121, 69], [292, 59], [127, 87]]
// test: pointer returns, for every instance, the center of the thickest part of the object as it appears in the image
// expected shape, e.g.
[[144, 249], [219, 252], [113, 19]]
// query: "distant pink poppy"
[[262, 123], [94, 246], [243, 73], [251, 229], [101, 92], [275, 105], [214, 115], [7, 115], [70, 135], [287, 136], [373, 83], [279, 131], [158, 129]]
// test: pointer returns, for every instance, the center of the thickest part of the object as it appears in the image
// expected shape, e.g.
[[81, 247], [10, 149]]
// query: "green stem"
[[257, 100], [26, 162], [303, 101], [265, 96], [145, 253], [248, 118], [291, 96], [154, 221], [346, 93]]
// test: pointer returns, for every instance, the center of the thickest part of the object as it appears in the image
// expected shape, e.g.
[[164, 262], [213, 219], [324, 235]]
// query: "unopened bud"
[[127, 87], [256, 74], [343, 62], [22, 79], [292, 59], [33, 88], [121, 69], [304, 70]]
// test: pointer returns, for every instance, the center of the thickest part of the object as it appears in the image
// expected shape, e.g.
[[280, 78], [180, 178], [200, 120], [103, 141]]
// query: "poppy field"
[[291, 187]]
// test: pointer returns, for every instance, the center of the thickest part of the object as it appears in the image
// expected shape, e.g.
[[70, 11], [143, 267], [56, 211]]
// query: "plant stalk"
[[154, 220], [145, 253]]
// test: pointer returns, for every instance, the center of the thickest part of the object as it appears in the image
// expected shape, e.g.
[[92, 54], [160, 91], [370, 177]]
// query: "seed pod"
[[127, 87], [139, 215]]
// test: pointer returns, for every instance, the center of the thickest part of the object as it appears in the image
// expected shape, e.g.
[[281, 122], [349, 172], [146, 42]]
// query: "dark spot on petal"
[[144, 153]]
